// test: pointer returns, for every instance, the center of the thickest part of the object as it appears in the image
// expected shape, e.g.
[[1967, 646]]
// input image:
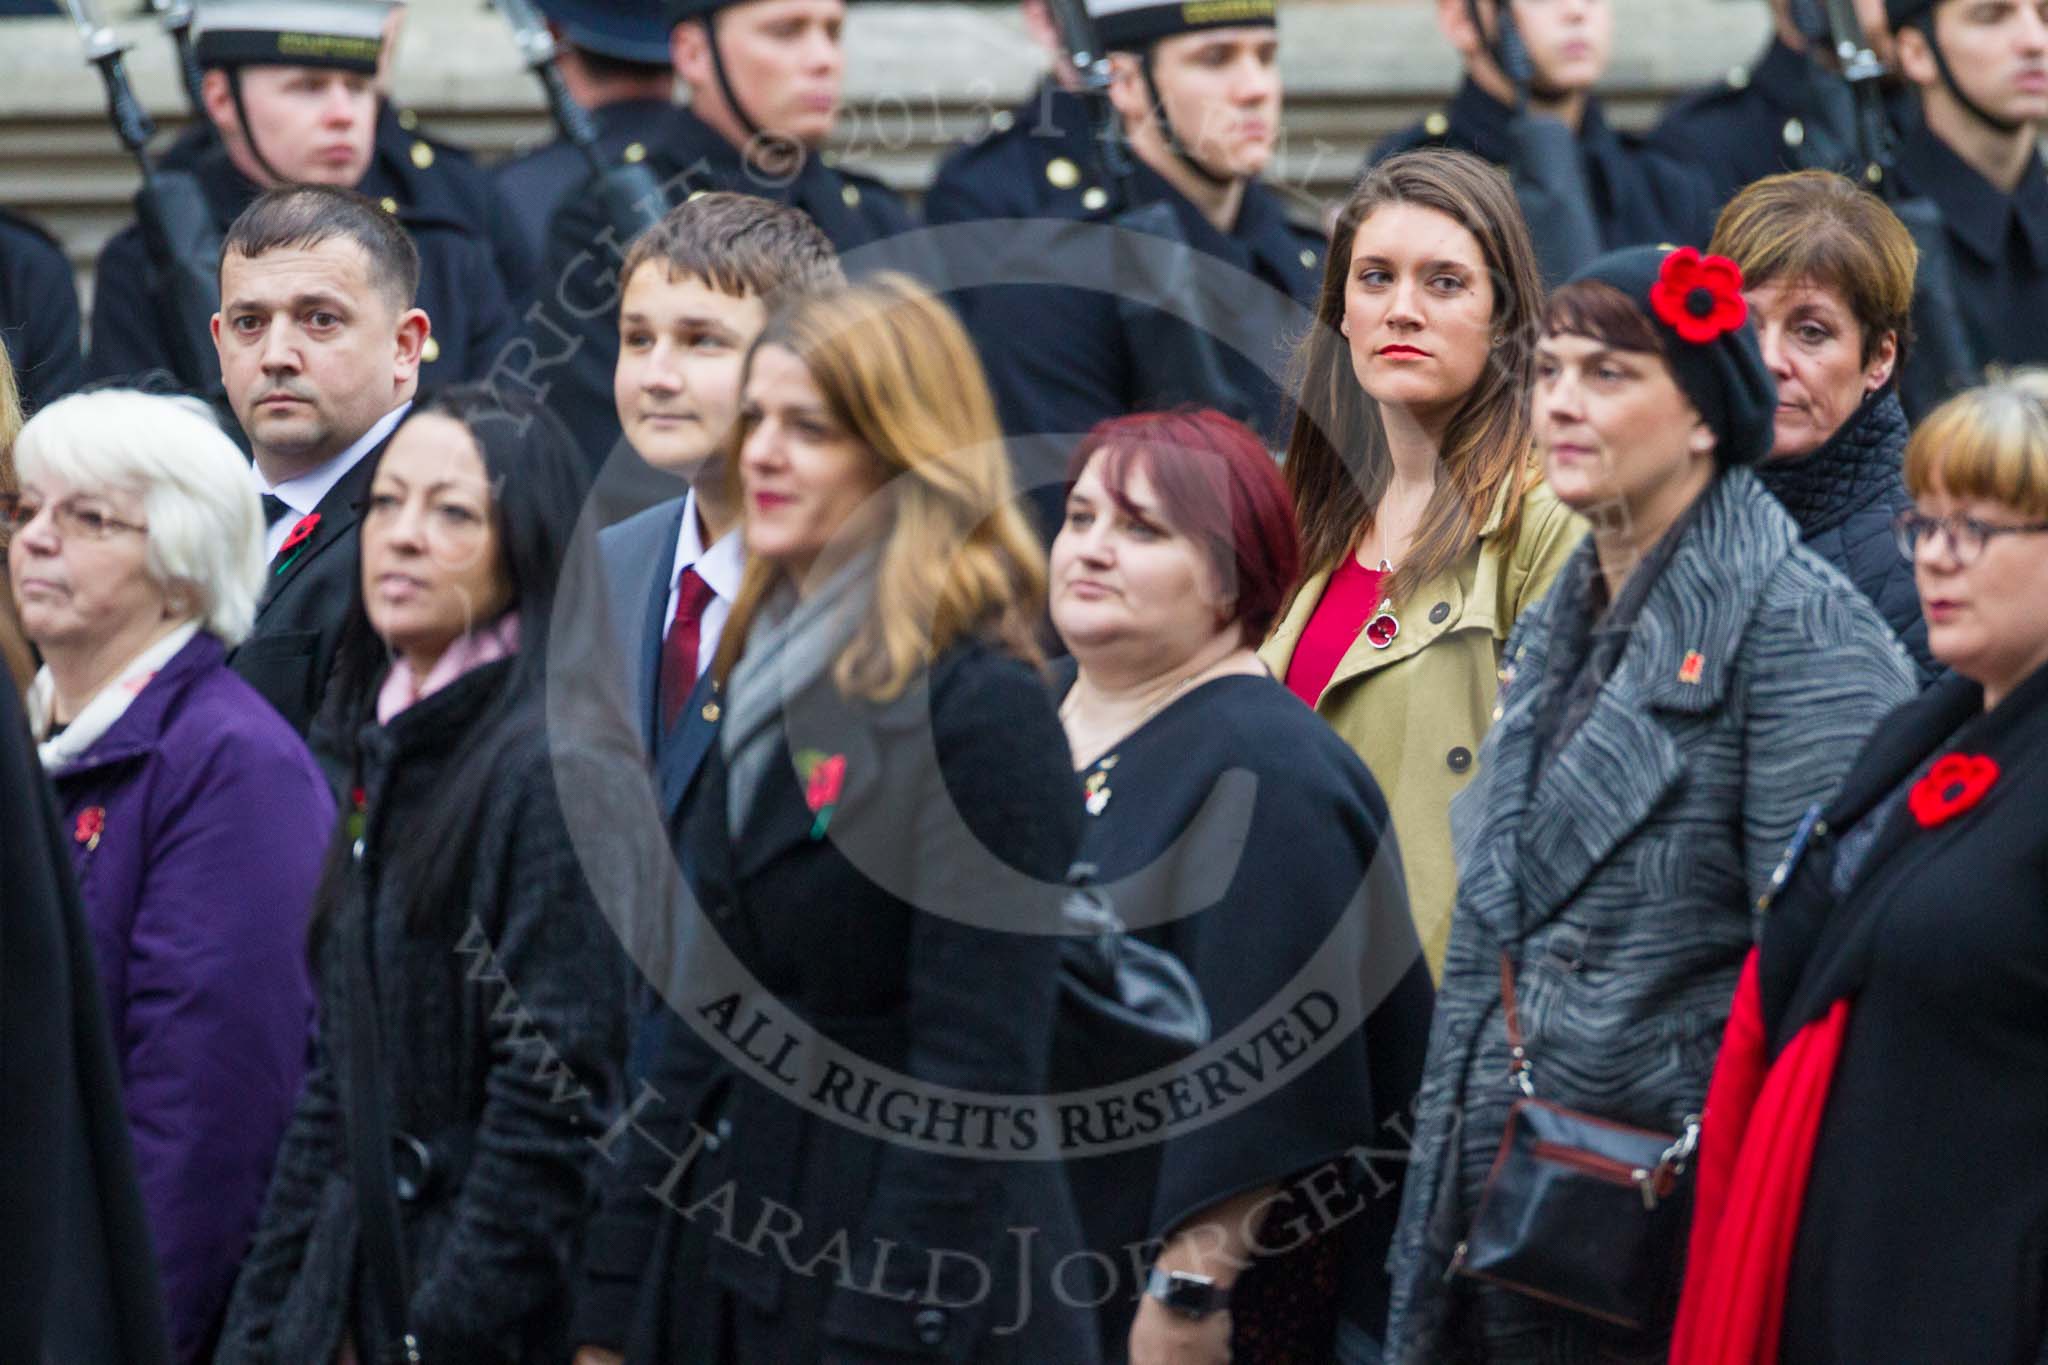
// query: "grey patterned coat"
[[1621, 884]]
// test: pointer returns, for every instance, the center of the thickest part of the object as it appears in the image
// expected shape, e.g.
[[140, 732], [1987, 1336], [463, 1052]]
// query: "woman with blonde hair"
[[1425, 525], [877, 843], [1883, 1020]]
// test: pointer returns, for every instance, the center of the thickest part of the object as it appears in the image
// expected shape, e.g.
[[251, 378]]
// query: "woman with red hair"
[[1229, 825]]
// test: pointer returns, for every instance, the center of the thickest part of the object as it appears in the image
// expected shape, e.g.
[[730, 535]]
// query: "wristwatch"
[[1190, 1296]]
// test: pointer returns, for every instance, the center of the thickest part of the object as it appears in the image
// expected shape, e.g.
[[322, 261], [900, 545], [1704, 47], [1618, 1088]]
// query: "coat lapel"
[[653, 629], [680, 753], [820, 720], [1617, 767], [339, 512]]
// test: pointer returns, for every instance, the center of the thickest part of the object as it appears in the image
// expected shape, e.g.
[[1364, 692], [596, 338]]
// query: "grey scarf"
[[791, 645]]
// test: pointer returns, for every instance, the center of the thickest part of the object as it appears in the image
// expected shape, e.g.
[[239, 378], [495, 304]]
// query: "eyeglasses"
[[1967, 536], [17, 510]]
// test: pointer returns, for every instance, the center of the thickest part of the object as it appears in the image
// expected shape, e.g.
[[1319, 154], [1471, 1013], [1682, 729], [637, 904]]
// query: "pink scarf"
[[402, 687]]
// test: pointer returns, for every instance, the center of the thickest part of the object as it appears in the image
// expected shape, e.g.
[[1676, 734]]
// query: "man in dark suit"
[[290, 90], [765, 80], [698, 288], [320, 350], [614, 61]]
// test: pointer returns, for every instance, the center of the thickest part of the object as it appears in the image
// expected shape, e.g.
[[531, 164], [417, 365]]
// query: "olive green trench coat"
[[1416, 710]]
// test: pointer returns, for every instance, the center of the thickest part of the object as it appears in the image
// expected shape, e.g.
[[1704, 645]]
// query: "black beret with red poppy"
[[1695, 303]]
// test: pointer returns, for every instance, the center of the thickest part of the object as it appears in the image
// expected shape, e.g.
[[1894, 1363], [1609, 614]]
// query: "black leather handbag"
[[1125, 1007], [1579, 1211]]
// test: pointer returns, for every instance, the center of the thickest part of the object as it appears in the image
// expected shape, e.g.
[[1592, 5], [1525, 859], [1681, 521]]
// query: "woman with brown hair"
[[1827, 273], [877, 844], [1425, 526]]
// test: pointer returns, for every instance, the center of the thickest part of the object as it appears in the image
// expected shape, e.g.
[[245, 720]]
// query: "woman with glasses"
[[195, 816], [1877, 1115]]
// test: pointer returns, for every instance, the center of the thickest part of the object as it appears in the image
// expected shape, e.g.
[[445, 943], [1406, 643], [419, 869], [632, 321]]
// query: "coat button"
[[1438, 612], [1095, 199], [358, 850], [710, 712], [931, 1326], [1459, 759]]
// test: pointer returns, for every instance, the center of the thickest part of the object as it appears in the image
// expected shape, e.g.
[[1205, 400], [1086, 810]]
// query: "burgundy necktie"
[[679, 646]]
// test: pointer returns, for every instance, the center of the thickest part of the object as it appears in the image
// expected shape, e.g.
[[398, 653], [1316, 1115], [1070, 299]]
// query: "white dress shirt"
[[304, 493], [720, 566]]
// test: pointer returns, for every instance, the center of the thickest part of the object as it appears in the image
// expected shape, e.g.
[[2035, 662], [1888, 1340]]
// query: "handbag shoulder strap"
[[369, 1139], [1520, 1069]]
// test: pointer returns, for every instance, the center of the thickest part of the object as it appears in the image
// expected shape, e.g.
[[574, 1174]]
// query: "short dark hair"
[[1218, 486], [299, 216], [1597, 311], [740, 244]]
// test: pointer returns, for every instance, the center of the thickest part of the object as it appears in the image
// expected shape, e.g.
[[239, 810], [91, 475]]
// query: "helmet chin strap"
[[234, 75], [755, 132], [1180, 149], [1516, 65], [1925, 23]]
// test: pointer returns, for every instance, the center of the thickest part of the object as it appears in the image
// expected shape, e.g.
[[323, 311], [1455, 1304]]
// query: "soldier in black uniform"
[[1199, 102], [1637, 193], [1982, 73], [765, 79], [614, 59], [38, 312], [1787, 111], [1034, 161], [300, 76]]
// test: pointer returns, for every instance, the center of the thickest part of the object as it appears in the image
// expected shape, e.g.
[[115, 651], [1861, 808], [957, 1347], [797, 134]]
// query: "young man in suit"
[[320, 351], [698, 289]]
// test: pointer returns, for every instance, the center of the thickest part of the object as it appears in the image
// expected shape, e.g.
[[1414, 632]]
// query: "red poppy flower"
[[91, 823], [1699, 297], [1382, 629], [301, 532], [1955, 783], [826, 779]]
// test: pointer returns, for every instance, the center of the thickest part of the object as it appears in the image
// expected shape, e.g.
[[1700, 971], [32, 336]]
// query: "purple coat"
[[212, 822]]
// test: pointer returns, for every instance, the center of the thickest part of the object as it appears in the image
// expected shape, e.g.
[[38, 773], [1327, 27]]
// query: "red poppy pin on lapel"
[[824, 776], [301, 532], [1955, 783], [91, 823], [1693, 667]]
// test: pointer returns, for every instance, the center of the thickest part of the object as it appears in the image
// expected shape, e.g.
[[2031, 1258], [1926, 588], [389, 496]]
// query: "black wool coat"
[[501, 1023], [1924, 1231], [1844, 497], [78, 1276], [784, 1227]]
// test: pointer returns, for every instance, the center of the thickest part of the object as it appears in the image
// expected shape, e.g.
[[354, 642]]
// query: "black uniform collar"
[[1261, 235], [227, 190], [626, 115], [1483, 121], [1785, 78], [1979, 214]]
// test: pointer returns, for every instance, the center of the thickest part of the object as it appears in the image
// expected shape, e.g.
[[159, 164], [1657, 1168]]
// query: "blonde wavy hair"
[[898, 374]]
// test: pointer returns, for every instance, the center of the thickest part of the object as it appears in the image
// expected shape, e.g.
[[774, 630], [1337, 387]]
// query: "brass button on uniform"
[[710, 711], [422, 154], [1795, 132], [1738, 77], [1308, 260], [1095, 199], [408, 120], [1063, 173], [851, 195], [635, 152], [430, 352], [695, 195], [1437, 124], [389, 205], [1003, 121], [1438, 612], [1459, 759]]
